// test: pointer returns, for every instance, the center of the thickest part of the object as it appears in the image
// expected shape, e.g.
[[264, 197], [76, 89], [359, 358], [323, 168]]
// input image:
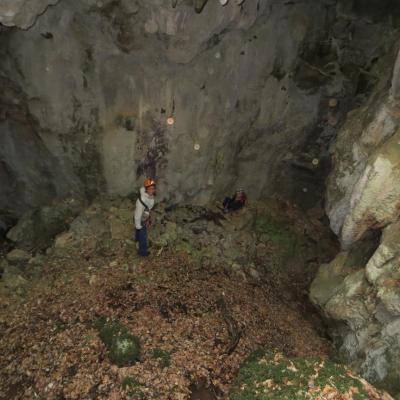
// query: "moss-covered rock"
[[268, 376], [123, 347], [37, 228], [14, 282]]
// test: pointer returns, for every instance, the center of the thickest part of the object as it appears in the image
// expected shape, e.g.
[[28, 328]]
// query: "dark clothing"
[[231, 204], [141, 237]]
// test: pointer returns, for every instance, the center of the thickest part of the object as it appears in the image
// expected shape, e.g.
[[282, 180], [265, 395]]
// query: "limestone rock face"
[[98, 94], [22, 13], [383, 269], [358, 292], [362, 304], [363, 190]]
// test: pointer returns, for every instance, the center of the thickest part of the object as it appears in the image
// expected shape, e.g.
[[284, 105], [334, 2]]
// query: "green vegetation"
[[123, 347], [282, 237], [129, 382], [268, 376], [133, 387], [163, 356]]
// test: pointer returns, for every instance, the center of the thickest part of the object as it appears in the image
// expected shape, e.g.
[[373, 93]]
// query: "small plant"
[[133, 387], [129, 382], [59, 327], [123, 347], [163, 356]]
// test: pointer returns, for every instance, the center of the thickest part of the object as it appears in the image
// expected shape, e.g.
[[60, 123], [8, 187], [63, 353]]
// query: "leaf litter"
[[51, 349]]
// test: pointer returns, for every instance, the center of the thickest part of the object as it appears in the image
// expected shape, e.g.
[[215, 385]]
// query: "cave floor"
[[191, 316]]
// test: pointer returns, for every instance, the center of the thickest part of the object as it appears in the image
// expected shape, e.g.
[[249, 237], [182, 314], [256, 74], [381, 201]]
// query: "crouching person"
[[236, 202], [144, 204]]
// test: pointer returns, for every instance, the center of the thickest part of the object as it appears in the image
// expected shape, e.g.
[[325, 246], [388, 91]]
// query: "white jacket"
[[141, 214]]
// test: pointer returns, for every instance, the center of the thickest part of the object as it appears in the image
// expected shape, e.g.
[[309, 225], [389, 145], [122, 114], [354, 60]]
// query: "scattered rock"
[[18, 257], [93, 280], [14, 281], [261, 250], [63, 240], [254, 273], [238, 270]]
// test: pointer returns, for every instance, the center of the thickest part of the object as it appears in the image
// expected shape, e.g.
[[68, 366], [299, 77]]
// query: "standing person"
[[144, 204]]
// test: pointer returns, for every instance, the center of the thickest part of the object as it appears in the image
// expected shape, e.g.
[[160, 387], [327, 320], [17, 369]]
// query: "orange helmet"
[[148, 182]]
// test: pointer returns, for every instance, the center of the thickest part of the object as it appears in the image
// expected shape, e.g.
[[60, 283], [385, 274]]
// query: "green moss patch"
[[162, 356], [281, 236], [268, 376], [129, 382], [277, 231], [132, 387], [123, 347]]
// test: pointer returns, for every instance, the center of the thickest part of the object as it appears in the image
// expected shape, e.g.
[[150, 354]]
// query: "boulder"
[[14, 281], [18, 257], [36, 229], [63, 240], [38, 260]]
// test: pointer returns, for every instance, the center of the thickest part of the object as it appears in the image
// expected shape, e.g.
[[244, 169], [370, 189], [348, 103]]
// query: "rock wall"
[[22, 13], [87, 92], [359, 290]]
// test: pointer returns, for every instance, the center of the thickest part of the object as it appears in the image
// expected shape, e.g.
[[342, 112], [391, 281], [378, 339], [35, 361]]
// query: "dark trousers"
[[231, 204], [226, 202], [141, 237]]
